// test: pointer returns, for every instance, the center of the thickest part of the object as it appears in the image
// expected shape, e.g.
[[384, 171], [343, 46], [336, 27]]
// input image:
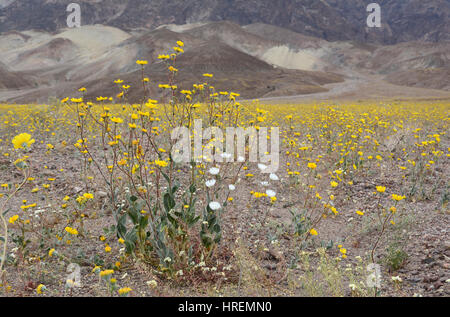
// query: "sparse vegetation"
[[93, 203]]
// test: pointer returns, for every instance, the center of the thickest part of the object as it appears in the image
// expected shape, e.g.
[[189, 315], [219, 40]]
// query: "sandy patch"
[[283, 56], [180, 28], [93, 40]]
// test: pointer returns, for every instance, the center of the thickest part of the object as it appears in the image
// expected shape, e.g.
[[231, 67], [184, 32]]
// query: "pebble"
[[430, 278], [270, 266], [415, 279], [102, 194], [428, 260]]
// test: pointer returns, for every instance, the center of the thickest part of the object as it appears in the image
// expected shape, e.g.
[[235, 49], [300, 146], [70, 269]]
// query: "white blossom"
[[397, 279], [262, 167], [214, 170], [152, 283], [274, 177], [214, 205], [226, 155]]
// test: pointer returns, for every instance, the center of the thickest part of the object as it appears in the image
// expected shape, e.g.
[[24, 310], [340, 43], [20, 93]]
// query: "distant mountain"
[[257, 60], [5, 3], [12, 80], [333, 20], [57, 64]]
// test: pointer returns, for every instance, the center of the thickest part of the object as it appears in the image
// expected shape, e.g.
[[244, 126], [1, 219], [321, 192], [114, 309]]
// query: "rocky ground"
[[423, 233]]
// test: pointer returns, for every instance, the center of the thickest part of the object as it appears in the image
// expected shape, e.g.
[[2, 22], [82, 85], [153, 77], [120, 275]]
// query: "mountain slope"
[[257, 60], [12, 80], [70, 59], [333, 20]]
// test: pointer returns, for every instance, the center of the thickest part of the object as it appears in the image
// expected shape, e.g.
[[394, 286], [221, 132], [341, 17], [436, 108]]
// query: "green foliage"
[[167, 234], [135, 236], [300, 223], [395, 257], [211, 231]]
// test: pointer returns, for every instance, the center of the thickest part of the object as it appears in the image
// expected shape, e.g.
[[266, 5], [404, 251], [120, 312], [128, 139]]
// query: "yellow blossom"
[[22, 140]]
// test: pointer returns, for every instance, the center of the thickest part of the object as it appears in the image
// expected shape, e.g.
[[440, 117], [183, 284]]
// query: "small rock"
[[415, 279], [430, 279], [447, 245], [102, 194], [428, 260], [270, 266]]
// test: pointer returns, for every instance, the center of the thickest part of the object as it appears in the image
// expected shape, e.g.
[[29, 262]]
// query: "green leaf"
[[131, 236], [129, 246], [133, 216], [143, 222], [6, 211], [169, 202], [175, 188], [121, 228], [166, 177], [130, 241], [216, 228], [206, 240]]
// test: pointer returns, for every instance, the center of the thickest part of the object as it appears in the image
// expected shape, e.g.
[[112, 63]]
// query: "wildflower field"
[[92, 203]]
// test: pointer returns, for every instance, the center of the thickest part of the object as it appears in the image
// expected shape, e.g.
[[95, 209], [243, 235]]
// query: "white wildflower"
[[214, 170], [274, 177], [262, 167], [214, 205]]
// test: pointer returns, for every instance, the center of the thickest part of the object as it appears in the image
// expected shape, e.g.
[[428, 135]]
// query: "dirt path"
[[357, 87]]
